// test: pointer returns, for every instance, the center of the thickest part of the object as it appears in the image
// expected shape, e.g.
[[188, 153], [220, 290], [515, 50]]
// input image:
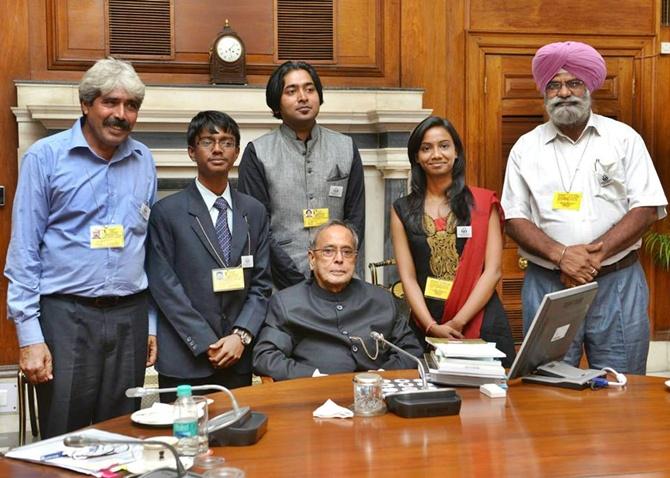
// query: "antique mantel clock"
[[227, 58]]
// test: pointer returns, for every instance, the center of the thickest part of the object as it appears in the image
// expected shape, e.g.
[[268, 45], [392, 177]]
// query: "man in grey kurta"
[[303, 173], [323, 324]]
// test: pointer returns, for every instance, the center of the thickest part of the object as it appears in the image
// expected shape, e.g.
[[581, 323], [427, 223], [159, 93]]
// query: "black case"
[[424, 403]]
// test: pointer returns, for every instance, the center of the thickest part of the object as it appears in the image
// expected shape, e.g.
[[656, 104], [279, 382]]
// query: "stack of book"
[[468, 363]]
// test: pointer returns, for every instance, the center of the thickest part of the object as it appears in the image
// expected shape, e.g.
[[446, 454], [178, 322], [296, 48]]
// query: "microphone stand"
[[420, 403], [238, 427], [221, 421], [79, 441], [423, 373]]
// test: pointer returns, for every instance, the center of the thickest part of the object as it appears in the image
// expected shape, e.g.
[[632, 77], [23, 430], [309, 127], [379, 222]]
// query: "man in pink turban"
[[578, 59], [579, 192]]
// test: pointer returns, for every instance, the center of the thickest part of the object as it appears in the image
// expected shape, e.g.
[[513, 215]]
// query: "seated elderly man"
[[322, 325]]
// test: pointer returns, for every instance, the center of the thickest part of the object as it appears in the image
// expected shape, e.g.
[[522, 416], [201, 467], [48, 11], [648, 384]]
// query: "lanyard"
[[221, 262], [558, 166]]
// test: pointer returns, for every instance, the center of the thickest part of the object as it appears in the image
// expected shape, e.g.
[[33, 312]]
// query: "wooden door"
[[512, 106]]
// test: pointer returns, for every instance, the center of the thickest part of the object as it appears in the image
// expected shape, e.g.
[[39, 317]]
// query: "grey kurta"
[[288, 175], [309, 328]]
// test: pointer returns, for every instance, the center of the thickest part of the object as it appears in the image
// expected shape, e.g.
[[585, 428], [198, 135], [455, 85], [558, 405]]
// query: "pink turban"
[[577, 58]]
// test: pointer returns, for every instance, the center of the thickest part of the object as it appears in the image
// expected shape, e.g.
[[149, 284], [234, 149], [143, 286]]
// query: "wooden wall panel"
[[433, 55], [68, 40], [615, 17], [197, 22], [366, 40], [358, 38], [13, 64]]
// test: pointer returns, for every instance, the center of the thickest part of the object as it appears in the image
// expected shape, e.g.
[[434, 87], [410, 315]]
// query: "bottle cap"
[[184, 391]]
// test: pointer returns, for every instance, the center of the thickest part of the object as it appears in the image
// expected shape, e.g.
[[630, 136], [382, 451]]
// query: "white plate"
[[667, 383], [158, 415]]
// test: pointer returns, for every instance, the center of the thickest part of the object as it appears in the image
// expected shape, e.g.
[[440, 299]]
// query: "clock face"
[[229, 49]]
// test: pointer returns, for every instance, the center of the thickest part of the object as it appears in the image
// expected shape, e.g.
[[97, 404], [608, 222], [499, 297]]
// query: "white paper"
[[486, 350], [331, 409], [90, 466]]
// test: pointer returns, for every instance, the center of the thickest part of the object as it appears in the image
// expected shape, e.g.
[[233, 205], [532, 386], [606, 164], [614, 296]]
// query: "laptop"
[[551, 333]]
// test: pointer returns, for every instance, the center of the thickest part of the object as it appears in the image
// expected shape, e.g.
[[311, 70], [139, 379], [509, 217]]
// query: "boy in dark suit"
[[208, 266]]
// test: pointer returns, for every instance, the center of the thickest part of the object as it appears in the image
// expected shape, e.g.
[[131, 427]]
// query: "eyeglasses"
[[208, 143], [572, 85], [331, 252], [95, 451]]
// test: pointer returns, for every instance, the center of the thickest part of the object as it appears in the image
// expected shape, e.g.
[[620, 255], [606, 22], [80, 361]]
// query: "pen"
[[51, 456]]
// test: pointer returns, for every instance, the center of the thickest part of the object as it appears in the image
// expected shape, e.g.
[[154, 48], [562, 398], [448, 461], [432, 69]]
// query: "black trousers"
[[225, 377], [97, 354]]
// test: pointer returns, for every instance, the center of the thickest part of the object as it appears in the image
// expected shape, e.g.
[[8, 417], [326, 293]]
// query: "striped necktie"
[[222, 230]]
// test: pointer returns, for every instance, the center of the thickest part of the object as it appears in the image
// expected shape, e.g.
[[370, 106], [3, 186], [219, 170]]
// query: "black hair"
[[458, 194], [275, 86], [212, 121]]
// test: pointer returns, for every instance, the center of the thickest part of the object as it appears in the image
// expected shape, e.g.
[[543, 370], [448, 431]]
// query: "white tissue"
[[331, 409]]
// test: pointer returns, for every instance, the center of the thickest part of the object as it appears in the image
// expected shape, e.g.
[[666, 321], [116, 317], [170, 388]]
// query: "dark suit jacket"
[[309, 328], [180, 260]]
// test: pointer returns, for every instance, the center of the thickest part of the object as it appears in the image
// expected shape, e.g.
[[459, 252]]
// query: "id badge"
[[567, 201], [107, 237], [336, 191], [247, 262], [227, 279], [145, 211], [315, 217], [438, 288], [464, 231]]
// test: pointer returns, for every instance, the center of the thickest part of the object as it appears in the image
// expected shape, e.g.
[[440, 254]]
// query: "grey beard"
[[569, 115]]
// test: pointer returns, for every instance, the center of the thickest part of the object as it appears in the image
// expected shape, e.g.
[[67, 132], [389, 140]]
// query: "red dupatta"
[[471, 262]]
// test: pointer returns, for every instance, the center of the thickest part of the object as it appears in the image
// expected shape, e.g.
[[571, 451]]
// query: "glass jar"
[[368, 398]]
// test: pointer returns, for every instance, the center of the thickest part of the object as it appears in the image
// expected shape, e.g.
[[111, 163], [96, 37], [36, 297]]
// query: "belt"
[[102, 302], [627, 261]]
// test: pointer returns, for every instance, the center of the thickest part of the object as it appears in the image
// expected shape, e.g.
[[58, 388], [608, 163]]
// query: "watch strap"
[[244, 335]]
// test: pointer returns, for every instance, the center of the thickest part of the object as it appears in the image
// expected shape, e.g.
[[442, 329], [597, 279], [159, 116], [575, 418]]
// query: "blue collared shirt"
[[64, 188]]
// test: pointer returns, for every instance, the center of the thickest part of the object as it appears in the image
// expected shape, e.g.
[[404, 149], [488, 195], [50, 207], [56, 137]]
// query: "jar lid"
[[367, 378]]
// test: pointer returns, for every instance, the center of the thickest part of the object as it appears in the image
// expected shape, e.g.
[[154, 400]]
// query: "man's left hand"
[[152, 350], [226, 351]]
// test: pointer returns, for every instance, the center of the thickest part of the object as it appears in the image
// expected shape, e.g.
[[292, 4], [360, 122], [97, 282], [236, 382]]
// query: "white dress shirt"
[[209, 197], [609, 164]]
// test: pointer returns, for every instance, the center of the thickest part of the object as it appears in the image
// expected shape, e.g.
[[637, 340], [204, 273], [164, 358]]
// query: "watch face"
[[229, 49]]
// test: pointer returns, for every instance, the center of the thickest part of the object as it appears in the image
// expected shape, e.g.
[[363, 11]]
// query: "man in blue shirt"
[[75, 264]]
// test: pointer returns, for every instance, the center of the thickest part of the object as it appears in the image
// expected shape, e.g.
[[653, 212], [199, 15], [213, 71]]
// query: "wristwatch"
[[245, 336]]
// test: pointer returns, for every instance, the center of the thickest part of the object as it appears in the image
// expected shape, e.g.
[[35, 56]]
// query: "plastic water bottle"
[[185, 426]]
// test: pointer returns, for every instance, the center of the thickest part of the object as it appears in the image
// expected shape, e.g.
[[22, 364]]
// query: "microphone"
[[421, 403], [78, 441], [422, 368], [239, 426]]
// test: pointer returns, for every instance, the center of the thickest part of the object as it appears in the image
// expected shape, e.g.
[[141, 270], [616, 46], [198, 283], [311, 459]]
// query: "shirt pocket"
[[608, 181]]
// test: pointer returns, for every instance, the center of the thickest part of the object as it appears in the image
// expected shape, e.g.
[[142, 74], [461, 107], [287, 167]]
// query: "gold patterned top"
[[441, 238]]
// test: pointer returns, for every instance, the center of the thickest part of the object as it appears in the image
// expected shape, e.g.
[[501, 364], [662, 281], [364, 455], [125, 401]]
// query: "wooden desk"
[[535, 431]]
